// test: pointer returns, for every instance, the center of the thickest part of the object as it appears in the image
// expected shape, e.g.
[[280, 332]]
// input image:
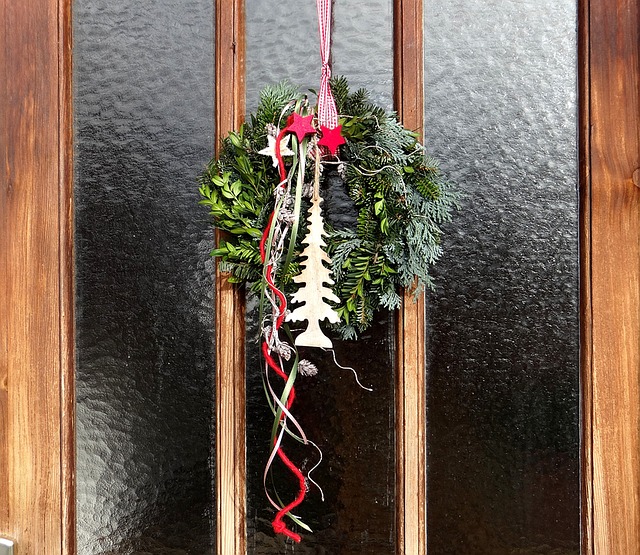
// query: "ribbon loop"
[[327, 112]]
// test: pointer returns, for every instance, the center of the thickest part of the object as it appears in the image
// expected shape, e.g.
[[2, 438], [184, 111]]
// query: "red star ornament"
[[331, 138], [300, 125]]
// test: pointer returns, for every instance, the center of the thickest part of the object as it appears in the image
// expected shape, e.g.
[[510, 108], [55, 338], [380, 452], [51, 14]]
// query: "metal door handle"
[[6, 547]]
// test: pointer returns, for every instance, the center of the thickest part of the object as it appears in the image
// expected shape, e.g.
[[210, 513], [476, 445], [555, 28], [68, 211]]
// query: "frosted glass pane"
[[503, 392], [282, 43], [143, 80], [354, 428]]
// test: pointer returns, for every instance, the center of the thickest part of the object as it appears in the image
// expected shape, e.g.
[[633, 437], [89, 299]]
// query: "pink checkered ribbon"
[[327, 113]]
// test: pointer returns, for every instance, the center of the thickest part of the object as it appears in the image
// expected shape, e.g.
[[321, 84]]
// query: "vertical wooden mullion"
[[613, 268], [4, 298], [67, 289], [230, 307], [410, 381], [586, 332], [36, 297]]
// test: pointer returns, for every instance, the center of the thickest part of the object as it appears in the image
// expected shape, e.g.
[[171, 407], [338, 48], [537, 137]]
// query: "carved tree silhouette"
[[316, 280]]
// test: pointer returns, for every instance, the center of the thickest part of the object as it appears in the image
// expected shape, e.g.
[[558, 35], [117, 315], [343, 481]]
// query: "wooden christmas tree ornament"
[[315, 278]]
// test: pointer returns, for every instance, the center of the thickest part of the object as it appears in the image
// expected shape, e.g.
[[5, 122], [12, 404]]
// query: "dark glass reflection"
[[143, 81], [503, 433], [354, 428]]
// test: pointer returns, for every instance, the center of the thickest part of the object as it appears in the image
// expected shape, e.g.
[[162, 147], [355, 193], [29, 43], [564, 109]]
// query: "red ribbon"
[[279, 526], [327, 112]]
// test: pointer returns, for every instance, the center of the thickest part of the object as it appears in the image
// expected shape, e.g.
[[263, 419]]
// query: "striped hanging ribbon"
[[327, 112]]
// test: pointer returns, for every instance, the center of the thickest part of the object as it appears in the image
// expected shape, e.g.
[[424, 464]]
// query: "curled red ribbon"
[[279, 526]]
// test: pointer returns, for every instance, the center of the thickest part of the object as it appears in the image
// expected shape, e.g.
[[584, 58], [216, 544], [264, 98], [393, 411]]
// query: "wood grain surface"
[[36, 421], [410, 371], [586, 354], [230, 305], [67, 280], [614, 303]]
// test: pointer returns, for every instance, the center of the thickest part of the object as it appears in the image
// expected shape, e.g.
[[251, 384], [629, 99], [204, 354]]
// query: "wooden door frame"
[[37, 505]]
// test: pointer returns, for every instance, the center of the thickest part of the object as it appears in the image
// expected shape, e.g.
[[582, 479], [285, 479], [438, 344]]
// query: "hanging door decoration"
[[265, 191]]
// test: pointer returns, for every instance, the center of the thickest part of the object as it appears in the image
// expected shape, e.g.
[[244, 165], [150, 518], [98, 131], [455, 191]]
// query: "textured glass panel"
[[363, 47], [353, 427], [503, 434], [144, 128], [282, 43]]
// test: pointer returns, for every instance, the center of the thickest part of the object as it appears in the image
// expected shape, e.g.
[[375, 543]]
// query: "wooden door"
[[36, 293]]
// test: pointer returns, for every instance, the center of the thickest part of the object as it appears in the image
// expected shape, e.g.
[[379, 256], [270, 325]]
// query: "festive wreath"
[[384, 235]]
